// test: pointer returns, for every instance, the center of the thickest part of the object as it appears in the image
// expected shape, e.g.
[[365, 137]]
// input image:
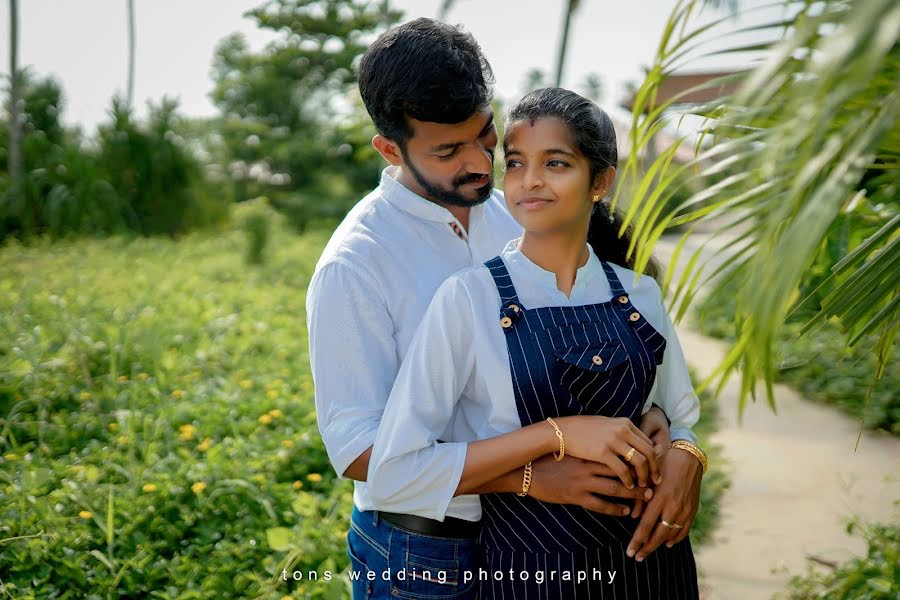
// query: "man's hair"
[[426, 70]]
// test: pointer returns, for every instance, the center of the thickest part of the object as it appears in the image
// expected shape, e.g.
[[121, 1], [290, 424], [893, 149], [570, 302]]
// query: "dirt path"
[[795, 477]]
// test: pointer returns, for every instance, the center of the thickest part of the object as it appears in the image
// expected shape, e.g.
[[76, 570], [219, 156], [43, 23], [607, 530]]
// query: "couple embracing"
[[509, 397]]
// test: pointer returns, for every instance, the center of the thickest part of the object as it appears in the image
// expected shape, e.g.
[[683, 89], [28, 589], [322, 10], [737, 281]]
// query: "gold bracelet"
[[693, 449], [526, 481], [562, 442]]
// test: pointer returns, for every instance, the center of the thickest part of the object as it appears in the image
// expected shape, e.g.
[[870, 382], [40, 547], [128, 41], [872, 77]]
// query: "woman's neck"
[[560, 253]]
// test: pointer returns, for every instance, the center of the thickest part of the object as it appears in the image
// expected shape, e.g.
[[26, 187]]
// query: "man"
[[427, 87]]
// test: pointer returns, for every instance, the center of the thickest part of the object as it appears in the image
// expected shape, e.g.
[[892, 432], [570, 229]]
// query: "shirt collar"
[[408, 201], [584, 277]]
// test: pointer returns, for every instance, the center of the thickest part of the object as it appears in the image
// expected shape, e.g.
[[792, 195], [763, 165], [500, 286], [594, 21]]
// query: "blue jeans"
[[387, 561]]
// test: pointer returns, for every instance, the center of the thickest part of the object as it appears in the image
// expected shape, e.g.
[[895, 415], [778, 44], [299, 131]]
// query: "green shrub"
[[874, 576], [715, 481], [157, 425], [821, 366]]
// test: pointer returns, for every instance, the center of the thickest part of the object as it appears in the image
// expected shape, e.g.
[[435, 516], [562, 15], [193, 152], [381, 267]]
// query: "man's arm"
[[352, 355], [359, 468]]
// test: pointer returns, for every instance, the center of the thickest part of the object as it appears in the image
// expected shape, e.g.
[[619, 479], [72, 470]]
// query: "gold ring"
[[630, 455], [672, 525]]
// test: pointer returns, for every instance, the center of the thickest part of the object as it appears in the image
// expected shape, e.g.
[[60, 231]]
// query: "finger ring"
[[672, 525], [630, 455]]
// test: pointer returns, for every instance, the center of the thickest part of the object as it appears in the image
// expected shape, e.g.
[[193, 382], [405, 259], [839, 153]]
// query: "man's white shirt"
[[366, 298]]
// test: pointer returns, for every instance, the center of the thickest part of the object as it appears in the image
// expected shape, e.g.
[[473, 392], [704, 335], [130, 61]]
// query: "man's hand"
[[655, 425], [675, 500], [581, 482]]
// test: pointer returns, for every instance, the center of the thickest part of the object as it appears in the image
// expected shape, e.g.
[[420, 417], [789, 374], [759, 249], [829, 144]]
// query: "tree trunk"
[[130, 52], [15, 114], [571, 5]]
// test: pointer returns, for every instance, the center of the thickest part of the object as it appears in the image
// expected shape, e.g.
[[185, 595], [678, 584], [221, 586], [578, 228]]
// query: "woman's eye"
[[512, 163], [557, 163]]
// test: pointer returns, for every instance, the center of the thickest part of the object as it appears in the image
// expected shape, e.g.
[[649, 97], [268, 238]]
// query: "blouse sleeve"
[[411, 472], [672, 391]]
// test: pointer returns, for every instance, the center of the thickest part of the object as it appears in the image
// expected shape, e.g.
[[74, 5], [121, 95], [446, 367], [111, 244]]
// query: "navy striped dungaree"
[[597, 359]]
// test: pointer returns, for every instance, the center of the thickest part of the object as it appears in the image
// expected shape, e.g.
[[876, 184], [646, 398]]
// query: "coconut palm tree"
[[130, 53], [15, 107], [570, 8], [809, 136]]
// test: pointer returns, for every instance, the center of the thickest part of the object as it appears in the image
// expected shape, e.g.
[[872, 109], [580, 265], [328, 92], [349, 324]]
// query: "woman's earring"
[[597, 197]]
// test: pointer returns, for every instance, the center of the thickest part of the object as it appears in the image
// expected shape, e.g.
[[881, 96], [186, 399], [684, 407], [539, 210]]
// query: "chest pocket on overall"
[[588, 370]]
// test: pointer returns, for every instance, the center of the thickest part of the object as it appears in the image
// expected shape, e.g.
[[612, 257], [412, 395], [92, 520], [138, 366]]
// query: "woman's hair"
[[424, 69], [595, 138]]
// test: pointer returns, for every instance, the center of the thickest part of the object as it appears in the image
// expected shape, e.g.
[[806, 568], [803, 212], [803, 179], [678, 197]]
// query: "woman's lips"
[[533, 203]]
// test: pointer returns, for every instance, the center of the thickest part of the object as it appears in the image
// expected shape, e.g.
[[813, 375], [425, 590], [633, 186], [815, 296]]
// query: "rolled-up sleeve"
[[353, 358], [673, 391], [410, 471]]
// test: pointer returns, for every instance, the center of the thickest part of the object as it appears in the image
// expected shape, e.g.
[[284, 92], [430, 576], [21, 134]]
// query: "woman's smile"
[[534, 203]]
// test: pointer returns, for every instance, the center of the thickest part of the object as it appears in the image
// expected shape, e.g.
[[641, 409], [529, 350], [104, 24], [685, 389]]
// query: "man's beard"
[[452, 197]]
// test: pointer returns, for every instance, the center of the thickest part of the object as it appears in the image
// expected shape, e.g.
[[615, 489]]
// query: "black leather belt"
[[450, 527]]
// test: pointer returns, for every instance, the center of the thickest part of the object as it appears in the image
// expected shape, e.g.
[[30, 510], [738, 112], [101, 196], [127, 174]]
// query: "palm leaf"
[[782, 159]]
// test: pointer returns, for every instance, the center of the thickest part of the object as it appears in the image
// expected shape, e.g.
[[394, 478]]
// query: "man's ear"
[[388, 148]]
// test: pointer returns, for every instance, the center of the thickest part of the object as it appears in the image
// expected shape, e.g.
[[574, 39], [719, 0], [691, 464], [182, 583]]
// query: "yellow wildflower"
[[287, 443], [85, 396], [272, 394], [149, 487], [114, 427], [11, 456], [122, 440], [178, 394], [314, 477], [123, 378], [143, 376], [265, 419], [246, 384], [204, 445], [275, 413], [186, 432], [85, 514], [298, 485], [198, 487]]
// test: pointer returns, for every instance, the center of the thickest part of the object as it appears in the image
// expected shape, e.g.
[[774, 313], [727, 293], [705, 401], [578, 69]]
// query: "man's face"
[[452, 164]]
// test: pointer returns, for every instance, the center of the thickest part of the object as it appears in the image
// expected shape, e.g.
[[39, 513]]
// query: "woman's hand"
[[675, 502], [609, 440]]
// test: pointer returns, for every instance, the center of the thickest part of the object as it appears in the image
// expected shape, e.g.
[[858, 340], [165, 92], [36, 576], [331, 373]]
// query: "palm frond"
[[809, 136]]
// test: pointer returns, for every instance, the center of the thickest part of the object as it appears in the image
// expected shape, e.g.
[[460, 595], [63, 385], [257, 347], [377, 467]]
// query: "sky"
[[84, 44]]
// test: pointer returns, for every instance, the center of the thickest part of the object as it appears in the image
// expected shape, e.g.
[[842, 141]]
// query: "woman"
[[546, 348]]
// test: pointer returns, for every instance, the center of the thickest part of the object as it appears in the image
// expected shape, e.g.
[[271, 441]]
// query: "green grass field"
[[157, 426]]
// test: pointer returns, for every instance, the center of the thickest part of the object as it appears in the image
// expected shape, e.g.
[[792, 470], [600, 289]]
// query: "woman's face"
[[547, 184]]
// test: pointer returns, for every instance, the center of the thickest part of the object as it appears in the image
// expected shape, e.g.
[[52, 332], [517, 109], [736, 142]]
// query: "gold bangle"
[[693, 449], [526, 481], [562, 442]]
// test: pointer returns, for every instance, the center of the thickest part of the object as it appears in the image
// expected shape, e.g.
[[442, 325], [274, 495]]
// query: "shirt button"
[[506, 322], [395, 592], [597, 360], [514, 308], [623, 299], [634, 316]]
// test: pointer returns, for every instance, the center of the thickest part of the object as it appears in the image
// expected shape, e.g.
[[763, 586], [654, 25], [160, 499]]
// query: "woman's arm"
[[411, 472]]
